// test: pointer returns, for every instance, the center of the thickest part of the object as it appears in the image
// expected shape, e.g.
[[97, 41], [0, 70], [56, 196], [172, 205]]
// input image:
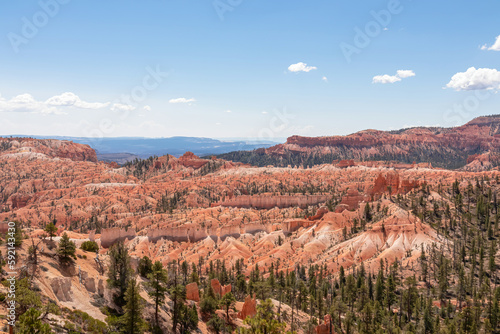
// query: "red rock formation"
[[19, 200], [51, 148], [326, 327], [192, 292], [319, 214], [352, 199], [191, 160], [249, 308], [391, 181], [346, 163], [292, 225], [110, 236], [180, 234], [219, 289], [384, 184], [4, 227], [481, 133], [269, 202]]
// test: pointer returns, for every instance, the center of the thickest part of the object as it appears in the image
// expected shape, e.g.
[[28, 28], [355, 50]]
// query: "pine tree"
[[30, 323], [228, 300], [119, 272], [368, 213], [51, 230], [188, 318], [157, 287], [132, 321], [145, 266], [66, 250], [264, 321], [178, 296]]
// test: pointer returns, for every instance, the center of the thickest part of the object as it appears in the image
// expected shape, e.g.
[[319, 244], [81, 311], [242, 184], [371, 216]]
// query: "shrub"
[[89, 246]]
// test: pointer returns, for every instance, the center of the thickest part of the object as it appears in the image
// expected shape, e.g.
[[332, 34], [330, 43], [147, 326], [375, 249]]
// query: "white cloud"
[[494, 47], [386, 78], [229, 111], [264, 112], [146, 108], [69, 99], [301, 67], [181, 100], [325, 79], [475, 79], [57, 104], [405, 73], [122, 107], [25, 103]]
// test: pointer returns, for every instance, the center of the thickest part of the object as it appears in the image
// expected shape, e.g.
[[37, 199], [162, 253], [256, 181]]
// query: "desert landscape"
[[249, 167], [327, 245]]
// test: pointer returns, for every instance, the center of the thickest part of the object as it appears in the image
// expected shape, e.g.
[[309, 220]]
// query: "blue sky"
[[232, 68]]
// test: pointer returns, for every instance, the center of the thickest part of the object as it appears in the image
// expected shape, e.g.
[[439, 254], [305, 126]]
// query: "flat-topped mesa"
[[53, 148], [441, 147], [272, 201]]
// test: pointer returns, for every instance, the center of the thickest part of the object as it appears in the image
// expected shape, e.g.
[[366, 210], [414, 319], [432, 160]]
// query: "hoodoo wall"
[[269, 202], [110, 236]]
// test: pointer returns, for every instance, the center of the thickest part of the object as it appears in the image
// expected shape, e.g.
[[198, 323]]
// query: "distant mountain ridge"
[[443, 147], [123, 149]]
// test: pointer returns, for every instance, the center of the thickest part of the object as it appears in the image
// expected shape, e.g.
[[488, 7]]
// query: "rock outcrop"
[[61, 286], [352, 199], [218, 288], [443, 147], [110, 236], [390, 183], [192, 292], [249, 308], [271, 201], [326, 326], [50, 147], [191, 160], [319, 214], [179, 234]]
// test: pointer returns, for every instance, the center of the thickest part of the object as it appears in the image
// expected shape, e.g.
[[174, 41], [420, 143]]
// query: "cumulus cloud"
[[181, 100], [57, 104], [69, 99], [386, 78], [25, 103], [475, 79], [146, 108], [494, 47], [405, 73], [301, 67], [325, 79], [229, 111]]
